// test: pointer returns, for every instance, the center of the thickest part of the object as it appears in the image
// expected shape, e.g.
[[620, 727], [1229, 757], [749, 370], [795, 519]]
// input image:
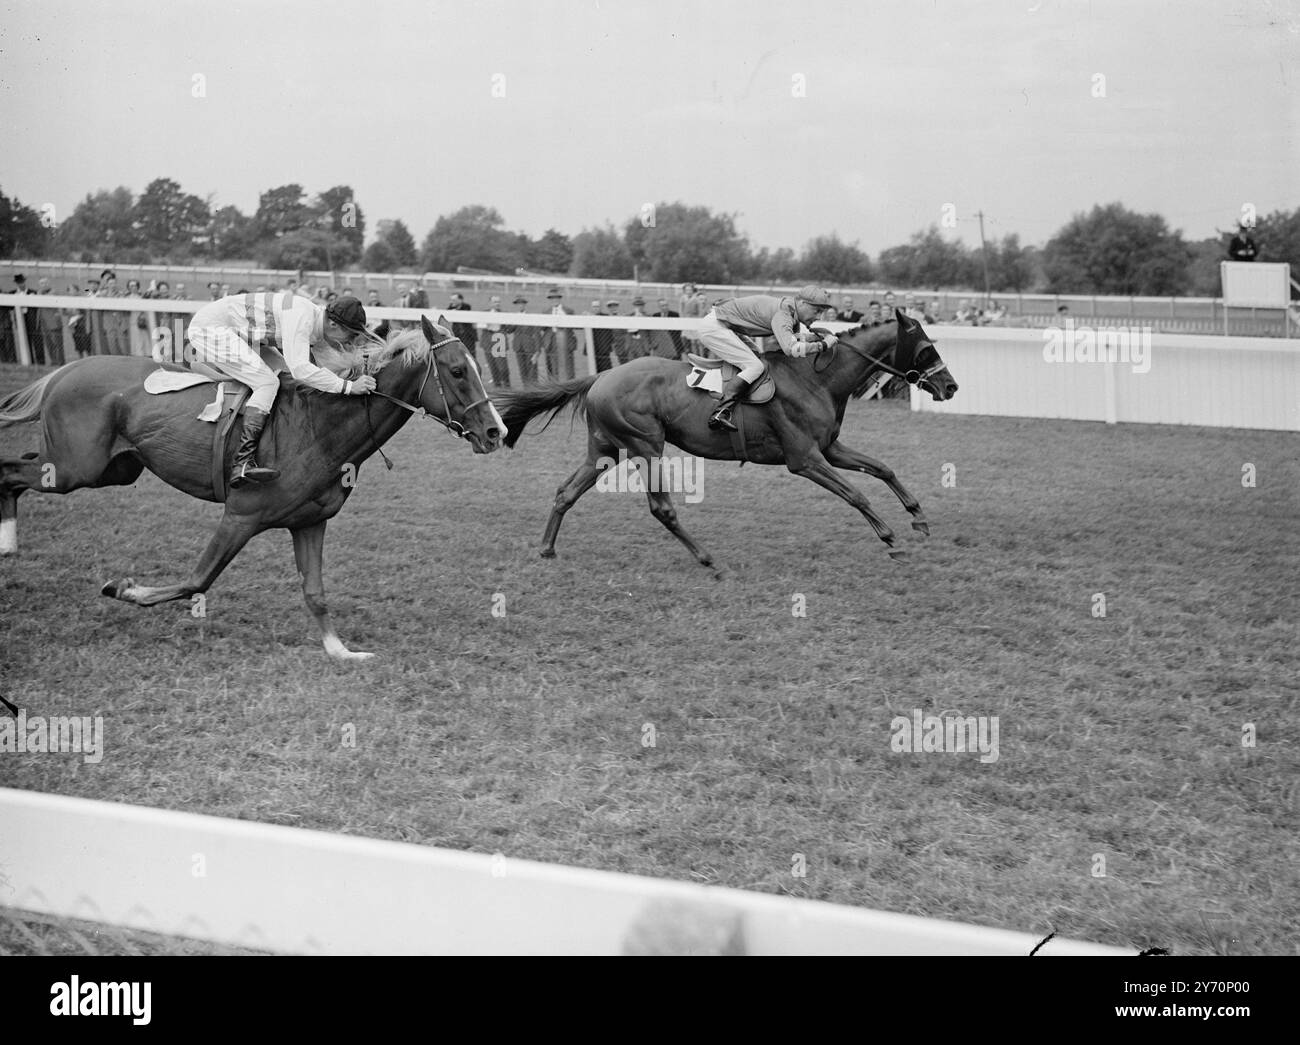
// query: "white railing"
[[1240, 382], [1205, 312], [1227, 382], [288, 890]]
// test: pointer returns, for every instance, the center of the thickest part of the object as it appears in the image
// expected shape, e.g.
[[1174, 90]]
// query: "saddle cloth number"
[[708, 380]]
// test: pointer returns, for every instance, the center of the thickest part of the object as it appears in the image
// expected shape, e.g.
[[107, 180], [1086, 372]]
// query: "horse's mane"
[[876, 333], [410, 346]]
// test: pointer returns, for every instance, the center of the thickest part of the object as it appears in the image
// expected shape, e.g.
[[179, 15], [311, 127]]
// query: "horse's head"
[[901, 348], [918, 362], [438, 373]]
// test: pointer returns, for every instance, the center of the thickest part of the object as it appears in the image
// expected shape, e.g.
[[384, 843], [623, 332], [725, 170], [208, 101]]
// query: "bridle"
[[911, 375], [454, 427]]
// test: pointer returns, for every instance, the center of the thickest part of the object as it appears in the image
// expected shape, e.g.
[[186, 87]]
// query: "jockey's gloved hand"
[[363, 385], [829, 340], [799, 349]]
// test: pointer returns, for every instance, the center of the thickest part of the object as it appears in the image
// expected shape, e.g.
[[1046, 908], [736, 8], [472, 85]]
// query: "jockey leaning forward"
[[727, 329], [227, 333]]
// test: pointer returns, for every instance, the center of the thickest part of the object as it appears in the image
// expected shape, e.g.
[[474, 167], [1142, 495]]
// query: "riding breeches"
[[224, 350], [726, 344]]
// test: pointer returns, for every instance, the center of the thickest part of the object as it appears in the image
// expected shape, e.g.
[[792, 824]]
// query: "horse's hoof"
[[114, 589], [922, 528], [900, 555], [548, 553]]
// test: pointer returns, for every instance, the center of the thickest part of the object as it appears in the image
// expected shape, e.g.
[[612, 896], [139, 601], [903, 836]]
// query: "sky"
[[867, 120]]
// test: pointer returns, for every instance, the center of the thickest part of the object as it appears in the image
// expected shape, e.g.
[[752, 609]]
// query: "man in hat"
[[602, 340], [617, 337], [525, 344], [227, 334], [465, 333], [31, 322], [694, 305], [557, 342], [636, 343], [49, 325], [727, 329], [674, 337], [498, 346], [115, 326], [8, 330], [1242, 246]]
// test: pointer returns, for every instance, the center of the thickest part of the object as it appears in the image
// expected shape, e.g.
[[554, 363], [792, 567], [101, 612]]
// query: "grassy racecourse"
[[1120, 737]]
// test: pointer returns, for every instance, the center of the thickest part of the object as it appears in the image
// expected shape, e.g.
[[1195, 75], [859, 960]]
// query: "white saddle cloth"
[[161, 381]]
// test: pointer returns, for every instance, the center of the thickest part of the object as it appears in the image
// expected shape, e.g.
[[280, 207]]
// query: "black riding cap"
[[348, 313]]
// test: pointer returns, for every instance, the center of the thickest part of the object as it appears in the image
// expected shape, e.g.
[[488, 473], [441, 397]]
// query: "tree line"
[[1108, 250]]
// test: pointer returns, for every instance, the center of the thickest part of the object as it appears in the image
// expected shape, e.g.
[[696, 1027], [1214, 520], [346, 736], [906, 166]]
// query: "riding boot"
[[245, 469], [731, 391]]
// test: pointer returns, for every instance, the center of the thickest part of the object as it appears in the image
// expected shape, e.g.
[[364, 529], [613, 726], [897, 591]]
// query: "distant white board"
[[1254, 284]]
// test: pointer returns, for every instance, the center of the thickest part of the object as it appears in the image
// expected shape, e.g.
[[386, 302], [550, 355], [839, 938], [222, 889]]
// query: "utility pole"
[[984, 250]]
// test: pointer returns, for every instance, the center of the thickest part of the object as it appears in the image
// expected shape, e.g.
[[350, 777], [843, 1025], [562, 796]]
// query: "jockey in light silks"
[[726, 331], [227, 333]]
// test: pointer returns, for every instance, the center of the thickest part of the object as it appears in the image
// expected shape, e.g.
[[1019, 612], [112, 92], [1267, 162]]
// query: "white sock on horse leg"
[[8, 536]]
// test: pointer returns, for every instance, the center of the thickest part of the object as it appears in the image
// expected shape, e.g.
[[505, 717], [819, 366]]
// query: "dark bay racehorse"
[[99, 427], [642, 404]]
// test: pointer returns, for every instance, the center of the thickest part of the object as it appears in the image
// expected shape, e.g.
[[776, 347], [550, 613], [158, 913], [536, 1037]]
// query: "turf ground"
[[630, 712]]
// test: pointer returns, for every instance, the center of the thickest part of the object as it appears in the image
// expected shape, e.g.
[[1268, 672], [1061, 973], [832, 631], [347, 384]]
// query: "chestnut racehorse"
[[99, 427]]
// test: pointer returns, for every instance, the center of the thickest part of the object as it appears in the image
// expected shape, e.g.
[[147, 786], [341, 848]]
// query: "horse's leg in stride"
[[15, 477], [812, 465], [308, 550], [90, 466], [8, 523], [661, 503], [600, 455], [841, 456], [233, 533]]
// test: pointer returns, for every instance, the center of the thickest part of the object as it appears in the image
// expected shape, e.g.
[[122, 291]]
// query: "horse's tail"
[[522, 407], [26, 403]]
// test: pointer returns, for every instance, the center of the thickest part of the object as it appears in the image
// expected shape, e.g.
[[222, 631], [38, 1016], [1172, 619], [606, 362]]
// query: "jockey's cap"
[[348, 313], [814, 296]]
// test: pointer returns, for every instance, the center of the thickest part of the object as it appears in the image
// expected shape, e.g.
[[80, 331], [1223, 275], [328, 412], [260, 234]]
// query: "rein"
[[454, 427], [912, 376]]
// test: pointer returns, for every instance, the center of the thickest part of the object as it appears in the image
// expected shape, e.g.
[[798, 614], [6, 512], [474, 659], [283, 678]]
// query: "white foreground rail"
[[285, 889]]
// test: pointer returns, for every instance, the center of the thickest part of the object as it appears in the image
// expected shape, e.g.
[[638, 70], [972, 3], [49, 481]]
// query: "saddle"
[[223, 411], [710, 375]]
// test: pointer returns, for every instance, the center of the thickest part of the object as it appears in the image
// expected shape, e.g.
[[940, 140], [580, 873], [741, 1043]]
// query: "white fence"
[[1200, 379], [1227, 382], [284, 889], [1192, 314]]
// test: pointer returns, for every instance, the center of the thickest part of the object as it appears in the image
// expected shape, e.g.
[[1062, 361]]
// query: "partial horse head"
[[918, 359], [446, 382], [912, 356]]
